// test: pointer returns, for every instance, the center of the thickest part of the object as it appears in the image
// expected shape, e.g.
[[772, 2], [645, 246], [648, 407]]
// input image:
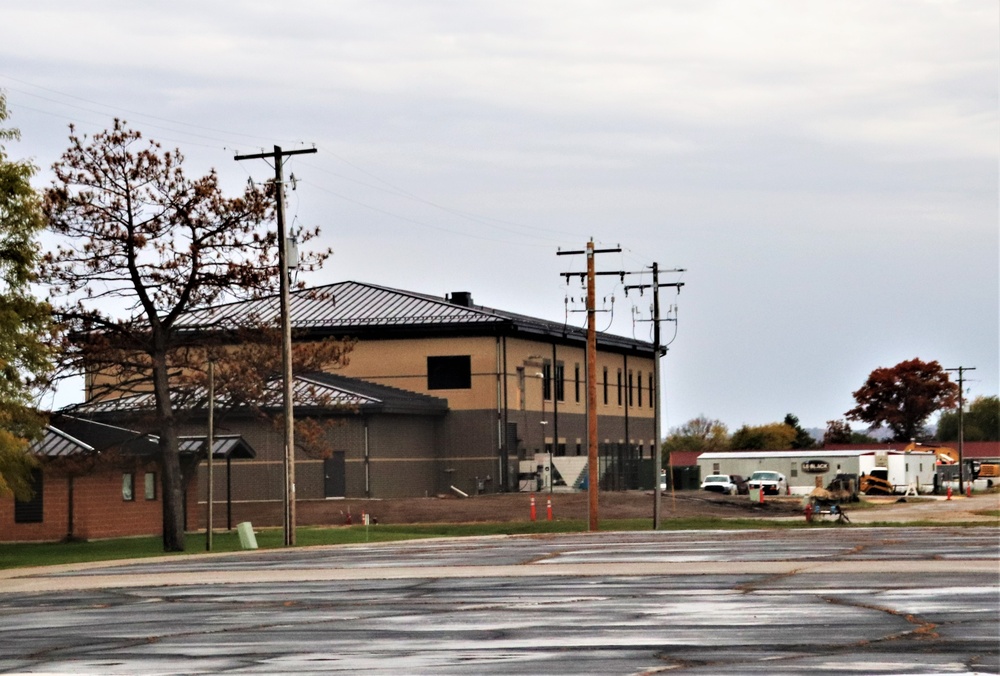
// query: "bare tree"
[[141, 245]]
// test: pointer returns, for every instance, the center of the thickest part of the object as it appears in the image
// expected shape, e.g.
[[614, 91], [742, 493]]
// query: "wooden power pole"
[[286, 331], [593, 476]]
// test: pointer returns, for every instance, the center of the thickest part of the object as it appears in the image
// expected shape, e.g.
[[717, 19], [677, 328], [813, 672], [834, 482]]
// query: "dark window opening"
[[619, 387], [576, 382], [605, 385], [546, 379], [630, 388], [560, 381], [31, 511], [449, 373]]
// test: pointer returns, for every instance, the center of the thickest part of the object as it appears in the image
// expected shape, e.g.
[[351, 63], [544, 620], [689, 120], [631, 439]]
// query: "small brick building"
[[98, 481]]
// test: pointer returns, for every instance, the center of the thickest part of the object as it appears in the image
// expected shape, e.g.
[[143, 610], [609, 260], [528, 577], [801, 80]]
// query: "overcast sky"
[[825, 170]]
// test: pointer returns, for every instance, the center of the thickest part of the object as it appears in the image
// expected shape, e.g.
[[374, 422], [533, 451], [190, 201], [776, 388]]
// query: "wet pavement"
[[826, 601]]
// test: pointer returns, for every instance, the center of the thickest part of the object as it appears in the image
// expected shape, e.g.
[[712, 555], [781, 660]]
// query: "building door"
[[335, 476]]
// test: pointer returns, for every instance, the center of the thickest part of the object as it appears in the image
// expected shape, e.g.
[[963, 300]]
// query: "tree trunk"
[[172, 481]]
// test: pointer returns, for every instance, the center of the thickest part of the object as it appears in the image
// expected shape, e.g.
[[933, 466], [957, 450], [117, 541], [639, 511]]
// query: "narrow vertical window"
[[150, 485], [619, 387], [576, 382], [605, 385], [33, 510], [630, 388], [560, 381], [546, 379], [128, 487]]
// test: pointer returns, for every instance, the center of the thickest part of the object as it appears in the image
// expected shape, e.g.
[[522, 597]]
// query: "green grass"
[[20, 555]]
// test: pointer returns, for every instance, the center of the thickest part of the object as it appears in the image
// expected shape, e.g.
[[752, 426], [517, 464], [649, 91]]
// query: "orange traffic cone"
[[548, 509], [533, 514]]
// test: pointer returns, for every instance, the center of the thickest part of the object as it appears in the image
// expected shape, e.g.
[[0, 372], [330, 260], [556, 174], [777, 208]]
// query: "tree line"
[[900, 398]]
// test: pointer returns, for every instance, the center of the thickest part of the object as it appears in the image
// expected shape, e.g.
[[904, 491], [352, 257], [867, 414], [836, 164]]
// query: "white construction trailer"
[[807, 469]]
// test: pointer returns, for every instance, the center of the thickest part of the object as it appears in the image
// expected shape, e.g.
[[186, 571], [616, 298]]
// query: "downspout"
[[555, 409], [368, 487], [625, 452], [504, 455]]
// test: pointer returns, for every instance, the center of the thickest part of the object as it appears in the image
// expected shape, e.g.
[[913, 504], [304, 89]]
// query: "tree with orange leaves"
[[902, 397]]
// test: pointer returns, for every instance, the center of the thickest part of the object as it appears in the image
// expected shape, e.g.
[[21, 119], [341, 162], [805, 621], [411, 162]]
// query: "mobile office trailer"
[[903, 469], [806, 469]]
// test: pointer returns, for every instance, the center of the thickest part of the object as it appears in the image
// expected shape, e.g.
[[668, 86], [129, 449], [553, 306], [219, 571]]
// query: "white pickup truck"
[[772, 483]]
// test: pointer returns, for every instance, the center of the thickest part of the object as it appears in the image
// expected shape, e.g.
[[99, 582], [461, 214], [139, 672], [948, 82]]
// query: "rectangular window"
[[560, 381], [630, 388], [128, 487], [638, 387], [619, 387], [150, 479], [576, 382], [449, 373], [715, 468], [546, 379], [652, 391], [31, 511], [605, 385]]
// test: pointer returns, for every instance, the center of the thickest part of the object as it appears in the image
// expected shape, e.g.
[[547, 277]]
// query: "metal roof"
[[100, 436], [58, 444], [818, 452], [355, 308], [346, 304], [224, 446], [323, 391]]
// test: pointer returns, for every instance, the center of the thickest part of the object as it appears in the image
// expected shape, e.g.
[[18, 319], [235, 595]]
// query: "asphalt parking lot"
[[827, 601]]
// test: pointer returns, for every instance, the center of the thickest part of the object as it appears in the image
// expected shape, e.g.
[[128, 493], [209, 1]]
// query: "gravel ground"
[[634, 504]]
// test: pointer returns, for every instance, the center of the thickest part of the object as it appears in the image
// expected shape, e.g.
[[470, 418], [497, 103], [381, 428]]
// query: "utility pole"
[[286, 330], [210, 520], [658, 453], [961, 424], [592, 473]]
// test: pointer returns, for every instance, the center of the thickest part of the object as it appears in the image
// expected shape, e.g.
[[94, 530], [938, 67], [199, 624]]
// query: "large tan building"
[[444, 395]]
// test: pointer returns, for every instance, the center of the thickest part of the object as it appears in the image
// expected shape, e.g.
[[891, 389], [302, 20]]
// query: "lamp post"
[[544, 422]]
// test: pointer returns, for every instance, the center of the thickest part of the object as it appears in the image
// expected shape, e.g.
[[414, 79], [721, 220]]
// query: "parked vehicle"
[[719, 483], [772, 483], [740, 483]]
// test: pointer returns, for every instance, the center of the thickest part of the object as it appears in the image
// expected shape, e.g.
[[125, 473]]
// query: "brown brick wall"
[[98, 510]]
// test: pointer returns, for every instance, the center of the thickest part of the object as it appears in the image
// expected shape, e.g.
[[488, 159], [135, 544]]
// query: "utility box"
[[247, 539]]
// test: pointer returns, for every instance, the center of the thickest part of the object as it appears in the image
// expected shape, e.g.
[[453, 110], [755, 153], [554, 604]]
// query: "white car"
[[772, 483], [719, 483]]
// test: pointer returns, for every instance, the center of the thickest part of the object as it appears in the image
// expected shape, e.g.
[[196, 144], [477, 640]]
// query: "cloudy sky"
[[825, 170]]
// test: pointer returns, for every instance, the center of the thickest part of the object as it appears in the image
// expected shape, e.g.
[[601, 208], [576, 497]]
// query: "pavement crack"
[[923, 629]]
